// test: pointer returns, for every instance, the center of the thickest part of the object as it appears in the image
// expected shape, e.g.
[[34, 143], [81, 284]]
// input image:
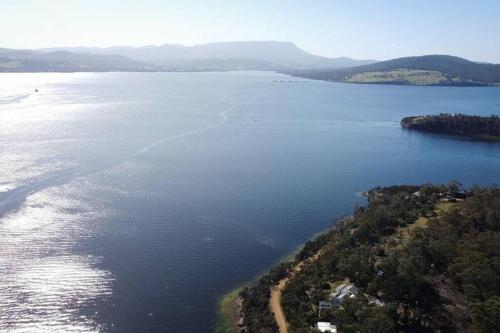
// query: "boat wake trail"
[[223, 115], [13, 98]]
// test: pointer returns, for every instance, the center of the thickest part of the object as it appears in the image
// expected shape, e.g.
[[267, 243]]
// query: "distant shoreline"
[[295, 75]]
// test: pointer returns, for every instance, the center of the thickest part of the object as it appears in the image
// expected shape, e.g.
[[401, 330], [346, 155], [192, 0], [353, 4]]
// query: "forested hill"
[[424, 258], [423, 70], [487, 128]]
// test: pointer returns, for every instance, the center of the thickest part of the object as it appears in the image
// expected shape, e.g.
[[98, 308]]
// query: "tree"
[[486, 315]]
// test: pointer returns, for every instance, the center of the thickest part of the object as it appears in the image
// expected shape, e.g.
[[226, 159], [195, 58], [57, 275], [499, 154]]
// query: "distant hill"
[[260, 55], [63, 61], [263, 55], [441, 70]]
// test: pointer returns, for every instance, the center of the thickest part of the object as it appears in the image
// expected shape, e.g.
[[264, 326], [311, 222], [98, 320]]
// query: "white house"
[[325, 326], [341, 292], [336, 298]]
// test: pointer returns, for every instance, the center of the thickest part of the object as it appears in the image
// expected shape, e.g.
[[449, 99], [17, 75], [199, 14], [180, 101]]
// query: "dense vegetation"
[[431, 257], [256, 314], [456, 124], [456, 71]]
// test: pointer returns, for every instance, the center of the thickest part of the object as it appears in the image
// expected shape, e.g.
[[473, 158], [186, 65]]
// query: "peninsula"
[[476, 127], [415, 259]]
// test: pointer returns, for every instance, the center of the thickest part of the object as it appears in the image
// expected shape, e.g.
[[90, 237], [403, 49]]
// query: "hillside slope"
[[64, 61], [423, 259], [423, 70]]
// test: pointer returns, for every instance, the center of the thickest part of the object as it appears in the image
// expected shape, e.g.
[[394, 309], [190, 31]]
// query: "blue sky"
[[372, 29]]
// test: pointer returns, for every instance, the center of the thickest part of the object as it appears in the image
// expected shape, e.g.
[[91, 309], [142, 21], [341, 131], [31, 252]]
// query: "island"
[[476, 127], [415, 259]]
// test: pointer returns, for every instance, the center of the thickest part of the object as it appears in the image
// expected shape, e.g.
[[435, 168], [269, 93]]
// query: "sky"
[[368, 29]]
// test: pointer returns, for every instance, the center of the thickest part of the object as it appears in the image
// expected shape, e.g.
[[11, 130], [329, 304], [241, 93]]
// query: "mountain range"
[[283, 57], [268, 55], [259, 55]]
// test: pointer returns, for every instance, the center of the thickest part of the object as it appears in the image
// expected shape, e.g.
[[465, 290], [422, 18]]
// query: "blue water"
[[132, 201]]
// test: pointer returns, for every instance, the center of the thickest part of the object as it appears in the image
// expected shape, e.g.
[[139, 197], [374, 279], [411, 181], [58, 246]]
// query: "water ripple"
[[44, 283]]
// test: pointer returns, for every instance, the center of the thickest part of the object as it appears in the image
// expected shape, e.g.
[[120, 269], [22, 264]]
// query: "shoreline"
[[228, 312], [474, 128], [229, 304], [380, 241]]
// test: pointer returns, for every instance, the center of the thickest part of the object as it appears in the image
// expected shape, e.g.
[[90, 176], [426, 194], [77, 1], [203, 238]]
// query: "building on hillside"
[[375, 301], [341, 292], [324, 305], [325, 326], [336, 298]]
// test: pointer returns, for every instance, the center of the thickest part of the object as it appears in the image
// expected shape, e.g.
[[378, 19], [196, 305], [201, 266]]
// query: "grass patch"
[[334, 285], [228, 314], [402, 76], [421, 222], [443, 207]]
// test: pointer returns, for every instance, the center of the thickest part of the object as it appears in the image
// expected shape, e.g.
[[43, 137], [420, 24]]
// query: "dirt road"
[[275, 301]]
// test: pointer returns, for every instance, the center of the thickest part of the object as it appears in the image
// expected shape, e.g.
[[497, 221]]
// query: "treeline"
[[443, 276], [455, 124]]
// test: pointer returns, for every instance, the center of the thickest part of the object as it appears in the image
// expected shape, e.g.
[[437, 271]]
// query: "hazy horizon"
[[244, 41], [355, 29]]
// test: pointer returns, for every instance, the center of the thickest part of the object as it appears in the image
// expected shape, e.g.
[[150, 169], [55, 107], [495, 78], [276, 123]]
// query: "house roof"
[[350, 289], [324, 326], [344, 290]]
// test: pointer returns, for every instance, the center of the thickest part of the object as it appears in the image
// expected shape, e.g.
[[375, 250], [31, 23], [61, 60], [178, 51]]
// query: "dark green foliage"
[[486, 315], [311, 247], [353, 252], [256, 314], [356, 315], [442, 277], [410, 289], [477, 265], [356, 265], [455, 124]]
